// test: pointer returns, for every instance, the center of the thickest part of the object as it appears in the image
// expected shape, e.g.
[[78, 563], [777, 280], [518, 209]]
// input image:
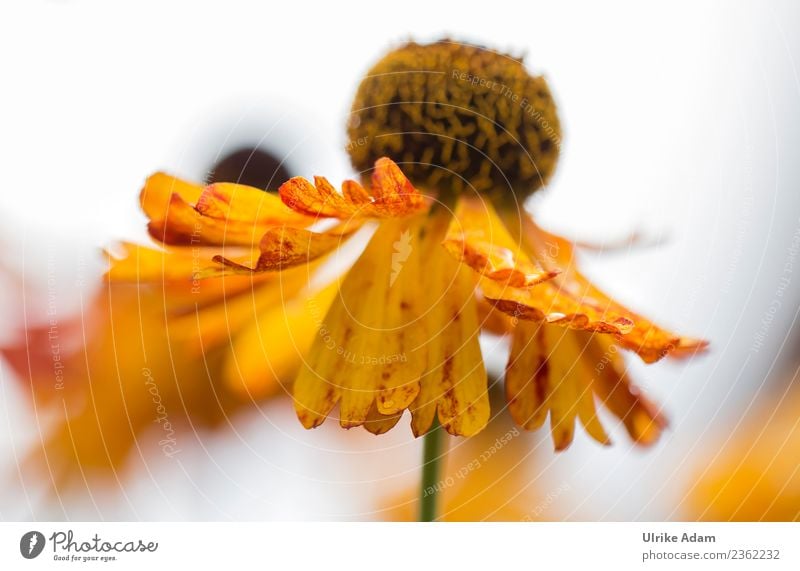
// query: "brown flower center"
[[456, 118]]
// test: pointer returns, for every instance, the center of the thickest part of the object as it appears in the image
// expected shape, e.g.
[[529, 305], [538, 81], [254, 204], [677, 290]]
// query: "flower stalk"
[[432, 461]]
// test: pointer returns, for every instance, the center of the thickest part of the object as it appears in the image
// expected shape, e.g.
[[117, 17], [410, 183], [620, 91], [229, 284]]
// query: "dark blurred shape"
[[251, 166]]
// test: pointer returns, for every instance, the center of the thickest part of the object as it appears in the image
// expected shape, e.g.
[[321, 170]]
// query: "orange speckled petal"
[[284, 247], [392, 196], [478, 238], [455, 383], [369, 352], [571, 299], [561, 372], [554, 304]]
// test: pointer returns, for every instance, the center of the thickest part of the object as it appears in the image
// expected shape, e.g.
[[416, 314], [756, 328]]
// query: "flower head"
[[448, 258]]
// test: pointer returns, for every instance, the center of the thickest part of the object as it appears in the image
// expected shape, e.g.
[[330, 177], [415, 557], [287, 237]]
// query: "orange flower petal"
[[159, 187], [392, 196], [642, 419], [478, 238], [271, 345], [560, 371], [560, 305], [237, 202], [571, 299]]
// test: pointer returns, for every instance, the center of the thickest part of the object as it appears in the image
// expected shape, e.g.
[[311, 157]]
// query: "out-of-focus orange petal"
[[127, 380], [271, 347], [231, 214], [478, 238], [179, 272], [159, 187], [392, 196], [751, 473]]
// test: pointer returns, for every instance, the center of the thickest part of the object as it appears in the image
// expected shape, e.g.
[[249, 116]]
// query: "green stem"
[[432, 460]]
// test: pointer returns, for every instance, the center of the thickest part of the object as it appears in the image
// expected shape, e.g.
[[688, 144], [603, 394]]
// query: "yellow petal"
[[367, 344], [527, 376], [155, 196], [455, 382], [549, 371], [230, 214]]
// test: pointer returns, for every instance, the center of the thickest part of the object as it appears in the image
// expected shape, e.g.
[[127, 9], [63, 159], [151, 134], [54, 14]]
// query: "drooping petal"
[[378, 423], [571, 299], [642, 418], [392, 196], [551, 303], [369, 344], [455, 382], [478, 238], [561, 372]]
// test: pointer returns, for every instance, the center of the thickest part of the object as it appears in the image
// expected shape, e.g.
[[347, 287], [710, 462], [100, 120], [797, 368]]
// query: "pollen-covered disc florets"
[[456, 117]]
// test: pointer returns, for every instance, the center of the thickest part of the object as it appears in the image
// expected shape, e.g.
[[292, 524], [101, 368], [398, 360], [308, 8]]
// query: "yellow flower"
[[477, 134]]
